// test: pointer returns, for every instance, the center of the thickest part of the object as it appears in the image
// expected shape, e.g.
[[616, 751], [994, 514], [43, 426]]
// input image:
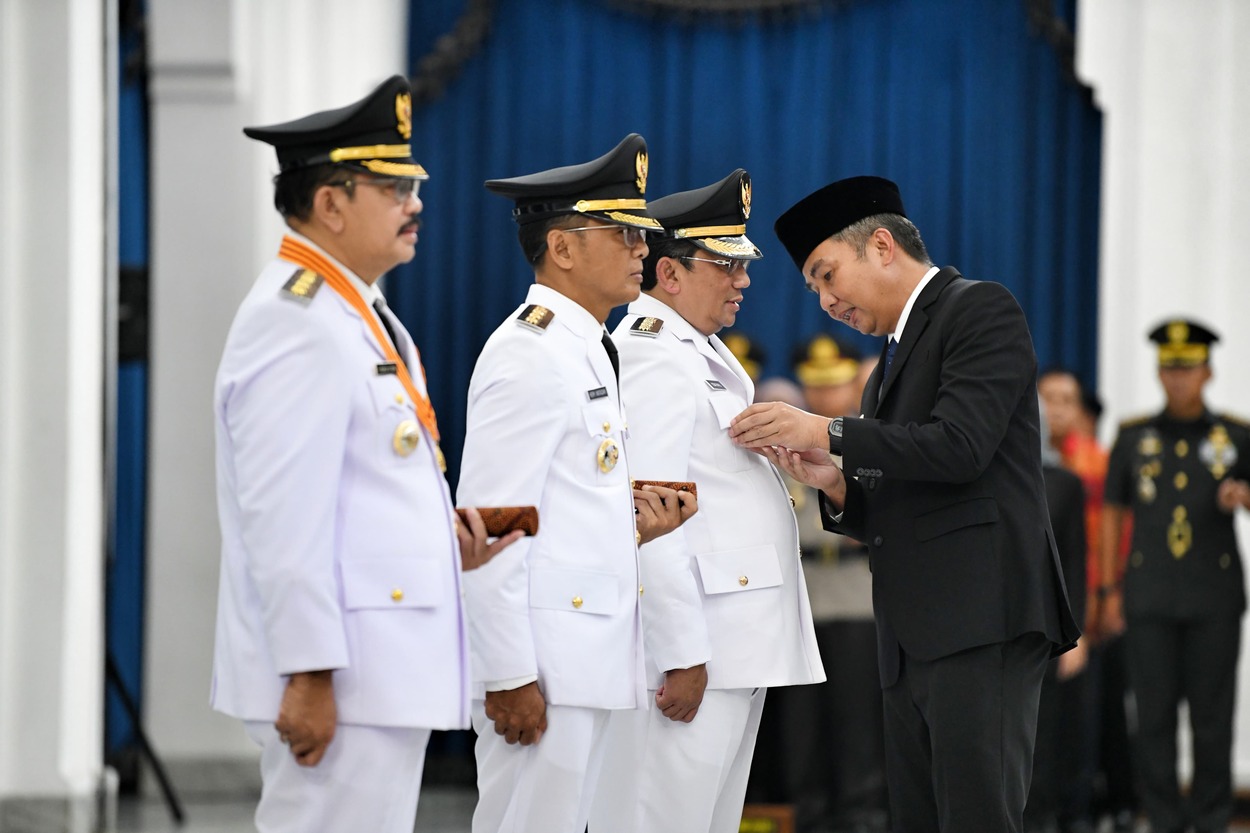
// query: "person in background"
[[1182, 473], [1059, 770], [340, 635], [726, 614], [555, 632], [1105, 785]]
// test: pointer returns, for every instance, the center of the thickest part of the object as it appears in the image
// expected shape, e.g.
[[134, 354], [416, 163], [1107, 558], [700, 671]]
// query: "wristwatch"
[[835, 436]]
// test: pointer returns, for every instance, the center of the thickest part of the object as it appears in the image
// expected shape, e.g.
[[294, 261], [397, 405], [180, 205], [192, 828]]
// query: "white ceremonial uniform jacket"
[[726, 588], [338, 552], [562, 605]]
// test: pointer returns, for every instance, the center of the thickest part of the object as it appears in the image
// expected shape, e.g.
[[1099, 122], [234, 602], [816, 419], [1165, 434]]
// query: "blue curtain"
[[996, 153]]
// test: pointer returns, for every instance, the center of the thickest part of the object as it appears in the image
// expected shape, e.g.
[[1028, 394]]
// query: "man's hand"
[[659, 510], [1111, 615], [1231, 494], [1073, 662], [308, 715], [776, 423], [520, 714], [682, 692], [475, 546], [815, 467]]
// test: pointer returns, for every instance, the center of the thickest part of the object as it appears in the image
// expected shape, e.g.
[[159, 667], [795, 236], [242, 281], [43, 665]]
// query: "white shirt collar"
[[897, 335], [368, 291]]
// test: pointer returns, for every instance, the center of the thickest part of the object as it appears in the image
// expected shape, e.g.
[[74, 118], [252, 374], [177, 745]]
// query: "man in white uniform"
[[340, 637], [726, 612], [556, 639]]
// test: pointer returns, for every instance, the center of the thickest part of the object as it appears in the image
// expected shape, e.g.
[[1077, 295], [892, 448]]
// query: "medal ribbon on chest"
[[301, 254]]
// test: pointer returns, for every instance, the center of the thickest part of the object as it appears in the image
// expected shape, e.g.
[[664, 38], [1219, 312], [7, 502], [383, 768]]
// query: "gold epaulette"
[[536, 318], [646, 326], [303, 285], [1235, 420]]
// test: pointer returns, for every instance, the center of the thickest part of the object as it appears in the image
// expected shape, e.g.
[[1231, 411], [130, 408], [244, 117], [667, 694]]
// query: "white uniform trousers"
[[369, 779], [546, 787], [663, 776]]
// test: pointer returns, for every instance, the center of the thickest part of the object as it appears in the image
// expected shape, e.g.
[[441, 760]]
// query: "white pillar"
[[52, 277], [1173, 81], [217, 67]]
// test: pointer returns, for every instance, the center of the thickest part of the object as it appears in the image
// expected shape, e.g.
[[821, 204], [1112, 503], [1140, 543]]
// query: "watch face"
[[835, 427]]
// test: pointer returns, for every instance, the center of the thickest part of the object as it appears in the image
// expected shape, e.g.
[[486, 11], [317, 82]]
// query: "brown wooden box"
[[767, 818]]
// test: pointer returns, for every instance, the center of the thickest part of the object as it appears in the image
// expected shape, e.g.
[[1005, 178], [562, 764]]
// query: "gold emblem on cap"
[[1178, 332], [403, 114], [746, 198], [607, 455], [407, 437], [640, 165]]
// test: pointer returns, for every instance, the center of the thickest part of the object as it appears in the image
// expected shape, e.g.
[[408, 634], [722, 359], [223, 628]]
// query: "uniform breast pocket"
[[603, 425], [736, 571], [577, 591], [392, 583], [729, 457], [396, 432]]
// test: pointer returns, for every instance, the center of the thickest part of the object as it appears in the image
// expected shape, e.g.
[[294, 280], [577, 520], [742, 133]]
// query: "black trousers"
[[1195, 660], [959, 735]]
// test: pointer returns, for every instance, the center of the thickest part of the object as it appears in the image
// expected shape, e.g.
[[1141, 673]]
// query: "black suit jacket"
[[945, 482]]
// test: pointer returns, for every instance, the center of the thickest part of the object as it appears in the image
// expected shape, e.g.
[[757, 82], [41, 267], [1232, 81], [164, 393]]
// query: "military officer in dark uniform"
[[1182, 473]]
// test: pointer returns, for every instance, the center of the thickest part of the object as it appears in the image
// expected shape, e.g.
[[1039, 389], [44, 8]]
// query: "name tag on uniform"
[[387, 369], [597, 393], [714, 385]]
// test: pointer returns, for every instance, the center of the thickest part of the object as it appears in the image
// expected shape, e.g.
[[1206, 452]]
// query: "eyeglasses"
[[726, 266], [632, 236], [400, 189]]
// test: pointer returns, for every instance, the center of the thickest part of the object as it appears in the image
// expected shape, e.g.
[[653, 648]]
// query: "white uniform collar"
[[568, 312], [650, 307], [369, 292], [897, 335]]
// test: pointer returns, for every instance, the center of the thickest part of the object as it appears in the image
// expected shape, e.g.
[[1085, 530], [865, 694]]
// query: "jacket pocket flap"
[[383, 583], [727, 406], [983, 510], [733, 571], [580, 591], [601, 418]]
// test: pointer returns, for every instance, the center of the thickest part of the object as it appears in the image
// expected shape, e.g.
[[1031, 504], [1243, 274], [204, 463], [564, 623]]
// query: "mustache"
[[414, 223]]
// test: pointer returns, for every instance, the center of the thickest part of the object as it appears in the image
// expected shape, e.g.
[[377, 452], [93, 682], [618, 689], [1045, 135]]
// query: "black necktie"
[[612, 357], [380, 306], [890, 349]]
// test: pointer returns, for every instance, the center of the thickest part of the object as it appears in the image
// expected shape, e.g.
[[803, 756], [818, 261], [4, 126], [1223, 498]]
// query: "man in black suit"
[[946, 490]]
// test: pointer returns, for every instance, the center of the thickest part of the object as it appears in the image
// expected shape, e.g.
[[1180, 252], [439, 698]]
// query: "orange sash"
[[301, 254]]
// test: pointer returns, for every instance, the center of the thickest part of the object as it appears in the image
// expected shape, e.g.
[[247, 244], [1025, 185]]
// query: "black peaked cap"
[[610, 188], [373, 133], [713, 217]]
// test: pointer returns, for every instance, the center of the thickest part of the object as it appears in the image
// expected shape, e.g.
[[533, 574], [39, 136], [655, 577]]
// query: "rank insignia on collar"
[[303, 285], [647, 326], [535, 317], [714, 385]]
